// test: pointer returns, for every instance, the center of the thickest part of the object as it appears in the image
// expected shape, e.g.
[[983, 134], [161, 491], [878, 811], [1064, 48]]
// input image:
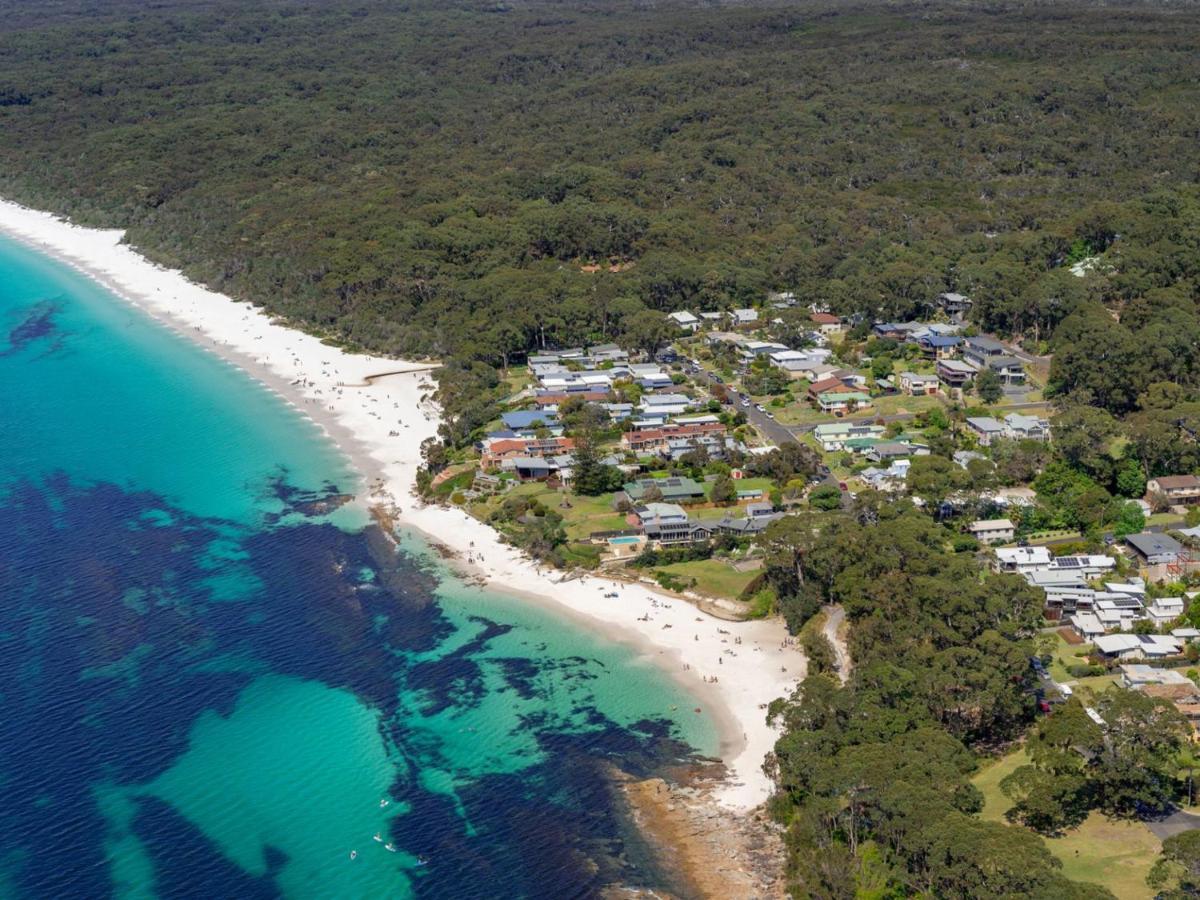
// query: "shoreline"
[[372, 409]]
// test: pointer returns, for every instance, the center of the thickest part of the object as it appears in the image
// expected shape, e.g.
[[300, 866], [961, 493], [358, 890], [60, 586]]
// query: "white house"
[[684, 320], [986, 429], [918, 385], [1021, 559], [1087, 625], [1137, 646], [991, 531], [743, 316]]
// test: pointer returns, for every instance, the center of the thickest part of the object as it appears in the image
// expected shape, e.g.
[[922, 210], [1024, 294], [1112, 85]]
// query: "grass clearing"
[[714, 577], [1116, 854]]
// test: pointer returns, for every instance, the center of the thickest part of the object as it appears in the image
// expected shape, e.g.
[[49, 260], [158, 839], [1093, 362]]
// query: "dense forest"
[[441, 179]]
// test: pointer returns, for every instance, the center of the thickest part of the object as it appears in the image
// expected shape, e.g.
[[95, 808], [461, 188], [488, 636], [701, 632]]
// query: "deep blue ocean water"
[[218, 680]]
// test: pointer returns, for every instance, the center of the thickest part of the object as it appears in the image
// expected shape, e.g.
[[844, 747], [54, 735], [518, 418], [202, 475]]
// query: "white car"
[[759, 407]]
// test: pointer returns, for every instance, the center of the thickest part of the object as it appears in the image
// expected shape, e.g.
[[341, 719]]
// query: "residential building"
[[1152, 549], [673, 490], [886, 451], [684, 320], [992, 531], [665, 404], [917, 385], [1134, 676], [954, 373], [1137, 646], [1179, 490], [827, 324], [495, 451], [525, 419], [1009, 368], [834, 435], [825, 384], [667, 523], [741, 317], [1165, 610], [1021, 560], [1026, 428], [978, 350], [954, 304], [1087, 626], [986, 429], [655, 440], [843, 402], [939, 346]]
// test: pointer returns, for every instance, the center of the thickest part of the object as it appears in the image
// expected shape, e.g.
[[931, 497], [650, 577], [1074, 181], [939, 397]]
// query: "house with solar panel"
[[673, 490]]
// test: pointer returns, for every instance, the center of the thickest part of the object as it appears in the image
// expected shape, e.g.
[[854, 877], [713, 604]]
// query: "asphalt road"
[[767, 427]]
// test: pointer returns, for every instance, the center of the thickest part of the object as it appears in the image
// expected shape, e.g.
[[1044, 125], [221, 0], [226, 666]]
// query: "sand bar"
[[380, 420]]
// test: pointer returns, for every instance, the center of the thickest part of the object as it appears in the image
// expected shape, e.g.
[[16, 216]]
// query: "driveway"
[[1176, 823]]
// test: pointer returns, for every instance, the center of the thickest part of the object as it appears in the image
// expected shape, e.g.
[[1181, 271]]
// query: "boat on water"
[[354, 854], [378, 838]]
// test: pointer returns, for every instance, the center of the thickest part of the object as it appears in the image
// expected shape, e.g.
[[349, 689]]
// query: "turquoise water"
[[212, 686]]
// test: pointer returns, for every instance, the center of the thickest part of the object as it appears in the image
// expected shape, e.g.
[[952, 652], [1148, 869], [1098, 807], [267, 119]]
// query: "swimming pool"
[[624, 540]]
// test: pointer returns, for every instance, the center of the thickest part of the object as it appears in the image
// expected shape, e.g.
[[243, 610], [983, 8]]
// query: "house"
[[954, 373], [667, 523], [841, 402], [1087, 626], [655, 440], [939, 346], [1026, 428], [739, 317], [992, 531], [528, 419], [673, 489], [886, 451], [1179, 490], [918, 385], [825, 384], [495, 451], [1009, 368], [1021, 559], [665, 404], [1165, 610], [538, 468], [895, 331], [893, 478], [1135, 676], [759, 510], [827, 324], [1137, 646], [606, 353], [834, 435], [1151, 549], [549, 400], [978, 350], [684, 320], [953, 303], [986, 429], [742, 526]]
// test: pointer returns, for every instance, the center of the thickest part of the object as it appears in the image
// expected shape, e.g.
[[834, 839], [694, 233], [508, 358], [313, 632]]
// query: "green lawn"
[[897, 404], [1063, 655], [714, 577], [1113, 853], [581, 518]]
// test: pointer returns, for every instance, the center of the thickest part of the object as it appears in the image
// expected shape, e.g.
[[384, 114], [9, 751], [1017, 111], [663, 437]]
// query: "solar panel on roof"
[[1069, 562]]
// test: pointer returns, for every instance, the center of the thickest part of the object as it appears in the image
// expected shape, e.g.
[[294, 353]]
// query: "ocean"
[[218, 678]]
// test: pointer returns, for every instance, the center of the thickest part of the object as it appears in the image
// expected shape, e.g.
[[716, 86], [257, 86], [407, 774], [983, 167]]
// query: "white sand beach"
[[380, 422]]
